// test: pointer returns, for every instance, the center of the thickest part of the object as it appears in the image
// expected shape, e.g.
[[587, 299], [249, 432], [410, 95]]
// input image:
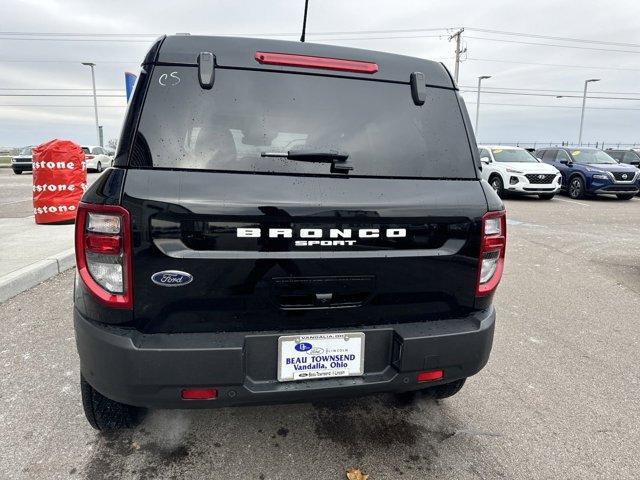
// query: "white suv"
[[515, 170], [96, 157]]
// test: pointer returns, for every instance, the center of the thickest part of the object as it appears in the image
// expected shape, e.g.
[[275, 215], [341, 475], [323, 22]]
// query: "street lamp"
[[483, 77], [584, 101], [95, 99]]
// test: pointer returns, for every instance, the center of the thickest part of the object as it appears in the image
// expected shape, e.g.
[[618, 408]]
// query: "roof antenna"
[[304, 22]]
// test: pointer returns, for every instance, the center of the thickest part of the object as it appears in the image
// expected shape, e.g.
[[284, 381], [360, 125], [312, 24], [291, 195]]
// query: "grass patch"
[[5, 161]]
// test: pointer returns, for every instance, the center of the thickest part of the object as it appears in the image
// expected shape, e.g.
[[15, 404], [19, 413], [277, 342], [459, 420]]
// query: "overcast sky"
[[43, 67]]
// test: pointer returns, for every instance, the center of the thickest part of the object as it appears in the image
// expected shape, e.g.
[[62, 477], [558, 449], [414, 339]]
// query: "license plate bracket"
[[320, 356]]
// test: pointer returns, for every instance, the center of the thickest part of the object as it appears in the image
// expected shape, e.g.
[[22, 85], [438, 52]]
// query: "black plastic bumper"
[[151, 370]]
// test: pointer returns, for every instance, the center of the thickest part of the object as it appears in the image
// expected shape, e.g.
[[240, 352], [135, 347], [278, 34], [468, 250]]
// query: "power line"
[[344, 32], [62, 89], [60, 106], [552, 45], [549, 37], [55, 95], [557, 106], [547, 95], [545, 90], [602, 67], [275, 34], [2, 60]]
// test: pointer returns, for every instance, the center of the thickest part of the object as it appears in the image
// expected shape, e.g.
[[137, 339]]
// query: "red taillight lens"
[[492, 248], [105, 244], [323, 63], [199, 394], [430, 376], [103, 253], [89, 157]]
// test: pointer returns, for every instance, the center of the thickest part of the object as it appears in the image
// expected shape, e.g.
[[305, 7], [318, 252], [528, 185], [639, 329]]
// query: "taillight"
[[88, 157], [308, 61], [103, 253], [492, 247]]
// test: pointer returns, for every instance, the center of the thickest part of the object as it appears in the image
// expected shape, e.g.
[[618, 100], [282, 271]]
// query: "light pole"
[[95, 99], [584, 101], [483, 77]]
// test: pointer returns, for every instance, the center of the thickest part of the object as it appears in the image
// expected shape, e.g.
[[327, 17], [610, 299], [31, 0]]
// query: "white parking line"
[[573, 201]]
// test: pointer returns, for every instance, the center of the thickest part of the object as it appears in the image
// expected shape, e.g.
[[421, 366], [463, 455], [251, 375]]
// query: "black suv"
[[284, 221]]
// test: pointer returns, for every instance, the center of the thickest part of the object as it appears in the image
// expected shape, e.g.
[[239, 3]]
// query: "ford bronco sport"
[[283, 222]]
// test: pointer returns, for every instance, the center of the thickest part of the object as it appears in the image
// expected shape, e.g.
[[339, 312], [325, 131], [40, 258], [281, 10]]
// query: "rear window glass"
[[247, 113], [85, 149]]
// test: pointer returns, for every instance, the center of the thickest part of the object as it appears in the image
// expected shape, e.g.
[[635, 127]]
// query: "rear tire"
[[625, 196], [99, 167], [546, 196], [438, 392], [576, 188], [105, 414], [497, 185]]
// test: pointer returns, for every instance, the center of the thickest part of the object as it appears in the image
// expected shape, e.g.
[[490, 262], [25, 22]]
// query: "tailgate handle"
[[299, 293], [324, 298]]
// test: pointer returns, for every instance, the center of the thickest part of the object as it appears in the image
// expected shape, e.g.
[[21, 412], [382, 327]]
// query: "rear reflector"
[[323, 63], [430, 375], [107, 244], [199, 394]]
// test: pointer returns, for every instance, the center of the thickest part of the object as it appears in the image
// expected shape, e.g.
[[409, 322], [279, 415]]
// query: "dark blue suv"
[[591, 171]]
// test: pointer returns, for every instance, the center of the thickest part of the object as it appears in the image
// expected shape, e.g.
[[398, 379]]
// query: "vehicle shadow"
[[387, 436]]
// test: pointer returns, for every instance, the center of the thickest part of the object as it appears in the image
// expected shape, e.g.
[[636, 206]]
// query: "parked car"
[[590, 171], [23, 162], [629, 156], [96, 158], [515, 170], [217, 266]]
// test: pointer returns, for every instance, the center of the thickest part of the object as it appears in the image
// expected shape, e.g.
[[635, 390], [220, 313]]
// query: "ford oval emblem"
[[172, 278], [303, 347]]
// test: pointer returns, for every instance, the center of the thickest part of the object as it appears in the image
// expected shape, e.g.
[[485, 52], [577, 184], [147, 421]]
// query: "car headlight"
[[601, 176]]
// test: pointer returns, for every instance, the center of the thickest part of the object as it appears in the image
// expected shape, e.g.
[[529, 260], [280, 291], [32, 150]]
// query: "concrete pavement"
[[31, 253], [560, 397]]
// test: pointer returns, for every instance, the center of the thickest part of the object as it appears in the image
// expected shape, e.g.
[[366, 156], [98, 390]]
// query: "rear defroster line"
[[176, 248]]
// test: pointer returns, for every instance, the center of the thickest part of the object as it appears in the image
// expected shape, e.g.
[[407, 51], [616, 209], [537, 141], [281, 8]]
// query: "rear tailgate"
[[275, 243], [341, 255]]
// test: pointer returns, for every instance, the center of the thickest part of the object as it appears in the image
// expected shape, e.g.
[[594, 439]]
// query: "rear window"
[[248, 112]]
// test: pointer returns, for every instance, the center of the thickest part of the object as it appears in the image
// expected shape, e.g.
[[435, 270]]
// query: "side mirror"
[[485, 160], [565, 161]]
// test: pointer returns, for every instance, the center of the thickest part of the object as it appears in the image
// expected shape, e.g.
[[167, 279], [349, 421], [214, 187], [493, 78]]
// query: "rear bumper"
[[151, 370]]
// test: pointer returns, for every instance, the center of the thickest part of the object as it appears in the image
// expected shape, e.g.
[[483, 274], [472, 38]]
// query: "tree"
[[112, 143]]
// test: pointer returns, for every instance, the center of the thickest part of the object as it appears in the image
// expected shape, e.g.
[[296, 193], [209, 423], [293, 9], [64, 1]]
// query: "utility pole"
[[483, 77], [95, 100], [584, 101], [459, 51]]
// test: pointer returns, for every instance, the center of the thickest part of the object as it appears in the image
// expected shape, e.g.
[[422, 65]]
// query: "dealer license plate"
[[324, 355]]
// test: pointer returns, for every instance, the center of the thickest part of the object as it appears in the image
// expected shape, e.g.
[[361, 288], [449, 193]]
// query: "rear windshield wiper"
[[338, 160]]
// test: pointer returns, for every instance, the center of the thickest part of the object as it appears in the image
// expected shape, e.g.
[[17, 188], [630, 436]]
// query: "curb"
[[24, 278]]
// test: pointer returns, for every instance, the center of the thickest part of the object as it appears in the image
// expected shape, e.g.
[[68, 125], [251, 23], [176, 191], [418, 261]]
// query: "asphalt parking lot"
[[560, 397]]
